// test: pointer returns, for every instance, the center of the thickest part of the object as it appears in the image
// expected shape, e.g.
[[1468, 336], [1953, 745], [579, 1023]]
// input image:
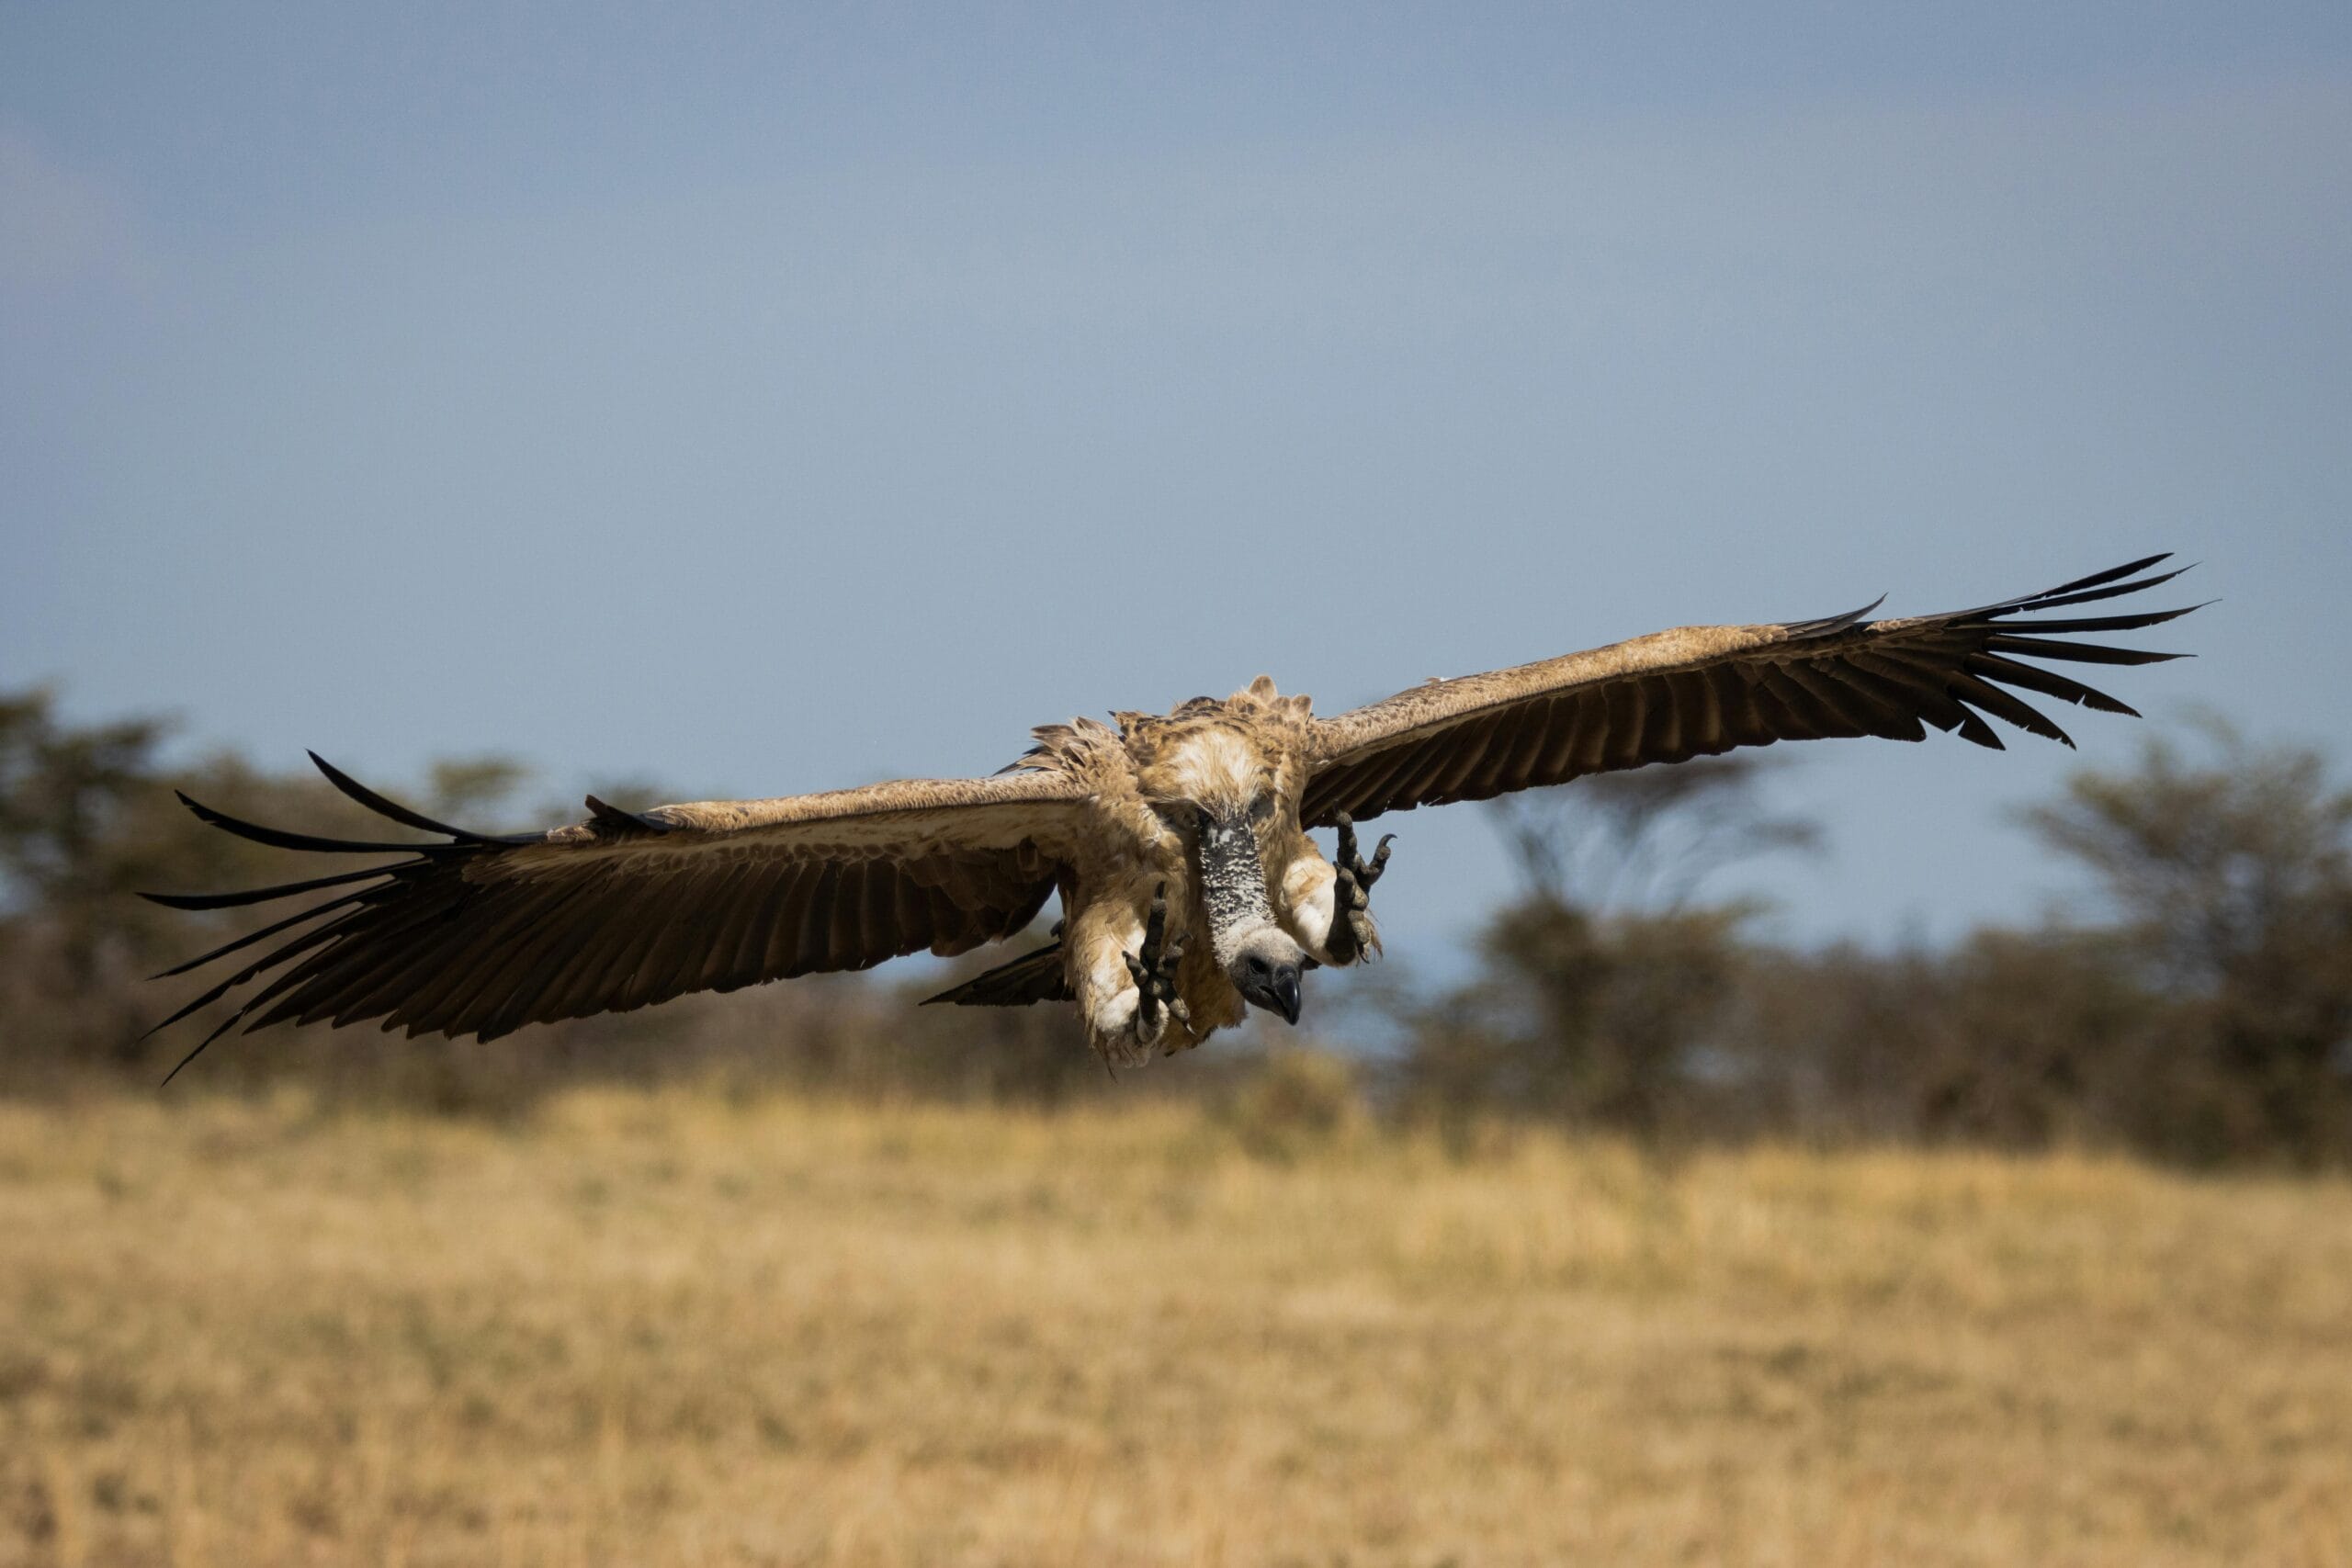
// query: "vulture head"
[[1219, 787]]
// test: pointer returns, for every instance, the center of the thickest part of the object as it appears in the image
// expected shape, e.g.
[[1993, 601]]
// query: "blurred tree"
[[1645, 841], [1600, 990], [2024, 1039], [2232, 877], [467, 791], [67, 797], [62, 794]]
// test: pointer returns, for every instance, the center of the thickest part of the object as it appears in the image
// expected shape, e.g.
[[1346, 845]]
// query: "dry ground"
[[677, 1330]]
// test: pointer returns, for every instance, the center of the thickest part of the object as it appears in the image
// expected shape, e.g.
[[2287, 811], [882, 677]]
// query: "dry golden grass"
[[678, 1330]]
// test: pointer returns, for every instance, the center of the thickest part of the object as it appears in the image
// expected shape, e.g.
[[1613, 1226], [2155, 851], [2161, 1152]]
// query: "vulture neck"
[[1233, 886]]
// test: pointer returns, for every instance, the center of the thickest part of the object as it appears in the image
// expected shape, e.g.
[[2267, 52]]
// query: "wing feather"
[[480, 934], [737, 902], [1702, 690]]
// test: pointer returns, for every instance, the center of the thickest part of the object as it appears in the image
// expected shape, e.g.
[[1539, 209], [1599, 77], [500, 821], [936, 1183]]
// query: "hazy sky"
[[776, 399]]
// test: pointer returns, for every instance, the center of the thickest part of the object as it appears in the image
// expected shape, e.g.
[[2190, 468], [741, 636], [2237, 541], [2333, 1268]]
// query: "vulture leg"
[[1353, 935], [1153, 972]]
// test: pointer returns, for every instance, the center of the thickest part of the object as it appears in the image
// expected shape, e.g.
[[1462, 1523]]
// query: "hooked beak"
[[1274, 987]]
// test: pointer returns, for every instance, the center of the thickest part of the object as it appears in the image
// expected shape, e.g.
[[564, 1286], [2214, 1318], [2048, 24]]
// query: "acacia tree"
[[2229, 868], [1601, 990], [68, 937]]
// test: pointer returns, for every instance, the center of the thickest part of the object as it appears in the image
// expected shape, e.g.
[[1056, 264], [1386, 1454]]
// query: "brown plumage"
[[1177, 843]]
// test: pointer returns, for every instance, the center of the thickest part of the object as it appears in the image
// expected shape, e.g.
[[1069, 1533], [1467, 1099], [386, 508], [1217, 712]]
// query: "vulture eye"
[[1180, 815]]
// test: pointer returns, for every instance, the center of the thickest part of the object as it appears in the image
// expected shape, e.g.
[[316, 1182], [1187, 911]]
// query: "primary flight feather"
[[1177, 843]]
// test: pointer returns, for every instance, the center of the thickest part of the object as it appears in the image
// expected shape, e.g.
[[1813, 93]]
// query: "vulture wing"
[[1702, 690], [480, 934]]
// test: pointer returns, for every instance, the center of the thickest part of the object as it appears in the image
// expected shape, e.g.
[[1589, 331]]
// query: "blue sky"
[[773, 400]]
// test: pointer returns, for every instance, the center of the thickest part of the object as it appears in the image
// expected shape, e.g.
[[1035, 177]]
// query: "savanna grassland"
[[675, 1328]]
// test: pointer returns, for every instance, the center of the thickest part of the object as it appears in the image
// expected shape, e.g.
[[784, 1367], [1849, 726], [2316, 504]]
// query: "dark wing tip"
[[198, 1051], [1830, 626], [2005, 641], [613, 818], [384, 806], [2129, 569], [2109, 584], [276, 838], [282, 890]]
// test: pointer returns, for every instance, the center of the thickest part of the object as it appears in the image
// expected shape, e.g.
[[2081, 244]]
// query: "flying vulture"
[[1177, 844]]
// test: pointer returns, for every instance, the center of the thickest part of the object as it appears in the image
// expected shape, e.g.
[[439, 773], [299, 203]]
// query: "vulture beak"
[[1272, 986]]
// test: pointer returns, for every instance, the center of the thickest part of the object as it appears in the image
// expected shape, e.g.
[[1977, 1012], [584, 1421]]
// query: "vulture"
[[1177, 844]]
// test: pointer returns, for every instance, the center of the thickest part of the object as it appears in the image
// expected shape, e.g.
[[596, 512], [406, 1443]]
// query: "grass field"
[[679, 1330]]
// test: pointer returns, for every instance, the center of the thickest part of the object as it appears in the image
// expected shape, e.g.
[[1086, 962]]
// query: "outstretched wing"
[[481, 934], [1702, 690]]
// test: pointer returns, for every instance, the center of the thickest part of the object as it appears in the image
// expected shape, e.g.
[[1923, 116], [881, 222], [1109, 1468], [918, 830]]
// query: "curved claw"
[[1353, 934], [1153, 969], [1351, 859]]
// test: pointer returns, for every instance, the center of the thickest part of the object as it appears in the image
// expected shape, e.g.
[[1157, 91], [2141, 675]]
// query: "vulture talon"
[[1153, 972], [1354, 933]]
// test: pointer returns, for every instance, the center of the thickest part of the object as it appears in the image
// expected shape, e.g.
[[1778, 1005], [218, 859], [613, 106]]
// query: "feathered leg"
[[1353, 935], [1124, 974]]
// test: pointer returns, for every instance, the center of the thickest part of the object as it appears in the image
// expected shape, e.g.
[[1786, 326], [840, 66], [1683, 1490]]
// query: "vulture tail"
[[1034, 977]]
